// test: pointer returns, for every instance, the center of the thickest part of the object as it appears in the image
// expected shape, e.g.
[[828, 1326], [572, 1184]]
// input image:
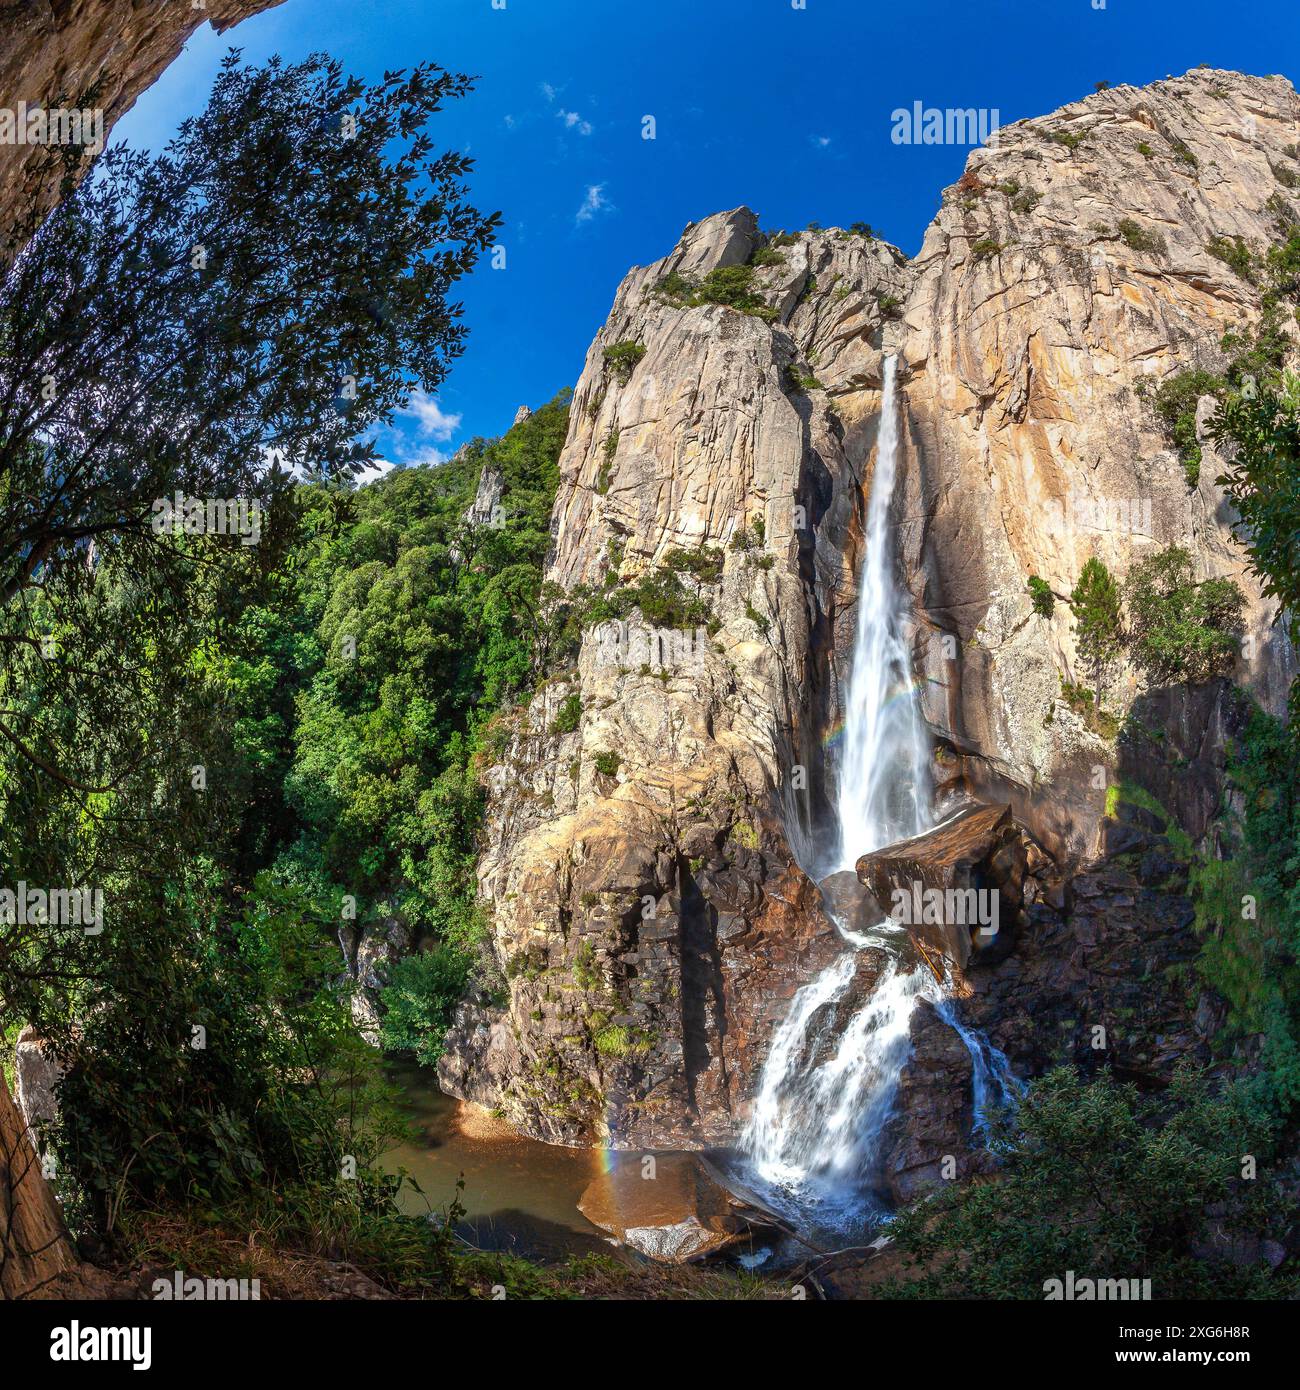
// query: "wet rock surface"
[[958, 888], [668, 1207], [1099, 978]]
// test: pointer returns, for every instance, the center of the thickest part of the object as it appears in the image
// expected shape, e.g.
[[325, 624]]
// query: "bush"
[[984, 248], [567, 718], [1235, 254], [420, 1000], [1070, 139], [1137, 238], [1109, 1183], [1175, 402], [622, 359], [1040, 593], [730, 285], [607, 764], [1180, 630], [1098, 631]]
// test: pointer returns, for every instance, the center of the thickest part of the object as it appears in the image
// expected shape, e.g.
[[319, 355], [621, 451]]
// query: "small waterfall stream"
[[822, 1103]]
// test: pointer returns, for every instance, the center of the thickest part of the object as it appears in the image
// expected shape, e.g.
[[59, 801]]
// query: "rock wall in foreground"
[[86, 53]]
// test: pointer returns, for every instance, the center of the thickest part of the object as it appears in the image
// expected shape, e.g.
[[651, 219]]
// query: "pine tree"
[[1097, 625]]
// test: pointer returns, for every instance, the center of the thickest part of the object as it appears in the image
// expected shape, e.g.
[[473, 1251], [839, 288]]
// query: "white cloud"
[[594, 202], [548, 91], [821, 141], [431, 421], [374, 472], [573, 121], [510, 122]]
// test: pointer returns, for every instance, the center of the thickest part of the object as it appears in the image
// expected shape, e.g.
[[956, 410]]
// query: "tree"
[[253, 300], [270, 288], [1097, 625], [1263, 480], [1179, 629]]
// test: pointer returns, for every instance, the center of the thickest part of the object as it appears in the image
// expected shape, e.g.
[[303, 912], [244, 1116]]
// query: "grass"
[[305, 1254]]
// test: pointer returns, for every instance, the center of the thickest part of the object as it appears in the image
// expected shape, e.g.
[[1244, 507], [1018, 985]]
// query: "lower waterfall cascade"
[[822, 1103]]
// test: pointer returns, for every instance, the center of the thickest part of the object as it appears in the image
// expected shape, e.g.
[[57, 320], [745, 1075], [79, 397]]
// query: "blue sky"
[[755, 101]]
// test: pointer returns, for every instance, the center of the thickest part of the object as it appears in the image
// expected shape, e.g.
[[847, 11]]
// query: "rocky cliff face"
[[1066, 274], [651, 918], [97, 54]]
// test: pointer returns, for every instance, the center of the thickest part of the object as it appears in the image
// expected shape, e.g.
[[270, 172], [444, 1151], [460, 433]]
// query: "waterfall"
[[884, 782], [820, 1109], [996, 1089], [822, 1103]]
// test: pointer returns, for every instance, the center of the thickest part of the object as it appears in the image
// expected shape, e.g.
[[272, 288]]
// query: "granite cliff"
[[647, 862]]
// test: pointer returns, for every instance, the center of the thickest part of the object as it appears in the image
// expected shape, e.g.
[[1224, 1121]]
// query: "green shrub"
[[622, 358], [1105, 1181], [568, 716], [1070, 139], [1180, 630], [730, 285], [1175, 402], [1235, 254], [1137, 238], [984, 248], [1040, 592], [607, 764], [419, 1000], [1182, 151], [1097, 626]]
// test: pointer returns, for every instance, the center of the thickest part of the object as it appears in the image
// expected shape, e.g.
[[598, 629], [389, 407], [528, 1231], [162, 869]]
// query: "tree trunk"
[[34, 1244]]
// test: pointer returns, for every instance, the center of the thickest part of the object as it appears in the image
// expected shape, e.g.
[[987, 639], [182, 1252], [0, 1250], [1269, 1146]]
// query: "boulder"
[[926, 882], [37, 1074], [667, 1206]]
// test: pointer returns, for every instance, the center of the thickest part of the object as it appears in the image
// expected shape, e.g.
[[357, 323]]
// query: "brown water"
[[519, 1195]]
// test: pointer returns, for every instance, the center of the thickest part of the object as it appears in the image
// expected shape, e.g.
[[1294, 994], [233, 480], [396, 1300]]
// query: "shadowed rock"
[[926, 883], [679, 1214]]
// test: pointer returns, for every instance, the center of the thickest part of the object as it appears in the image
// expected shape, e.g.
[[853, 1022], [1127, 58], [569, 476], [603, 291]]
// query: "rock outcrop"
[[960, 888], [1064, 278], [91, 54], [643, 864], [668, 1207]]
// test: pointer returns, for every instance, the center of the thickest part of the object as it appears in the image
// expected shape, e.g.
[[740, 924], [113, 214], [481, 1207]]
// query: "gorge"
[[833, 762], [669, 962]]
